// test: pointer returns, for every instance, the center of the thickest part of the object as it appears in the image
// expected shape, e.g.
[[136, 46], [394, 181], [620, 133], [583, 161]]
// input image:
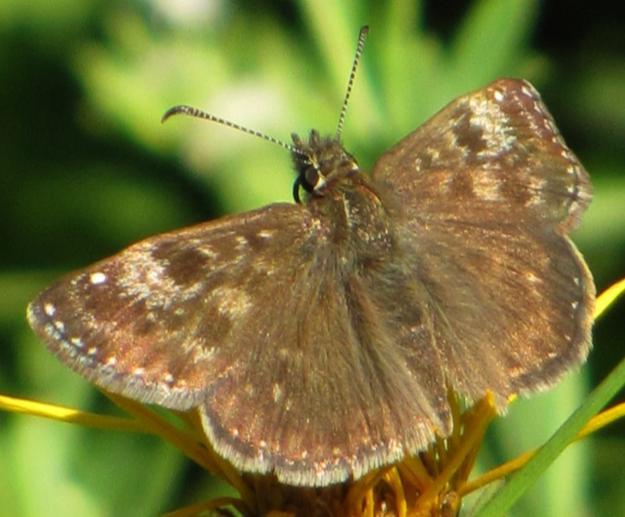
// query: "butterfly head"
[[318, 161]]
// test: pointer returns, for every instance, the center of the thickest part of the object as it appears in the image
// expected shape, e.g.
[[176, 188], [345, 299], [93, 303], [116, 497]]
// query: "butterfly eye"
[[313, 179], [310, 180]]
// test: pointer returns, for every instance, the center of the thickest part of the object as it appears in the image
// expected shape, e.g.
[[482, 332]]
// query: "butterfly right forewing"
[[488, 191], [497, 151]]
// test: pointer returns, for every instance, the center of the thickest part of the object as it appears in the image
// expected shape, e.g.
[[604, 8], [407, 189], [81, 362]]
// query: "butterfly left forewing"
[[152, 322]]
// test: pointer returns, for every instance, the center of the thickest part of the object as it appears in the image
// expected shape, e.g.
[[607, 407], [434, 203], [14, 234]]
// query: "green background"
[[86, 169]]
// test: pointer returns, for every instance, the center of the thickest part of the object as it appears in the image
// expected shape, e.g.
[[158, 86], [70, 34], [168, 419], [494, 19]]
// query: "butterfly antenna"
[[359, 48], [190, 111]]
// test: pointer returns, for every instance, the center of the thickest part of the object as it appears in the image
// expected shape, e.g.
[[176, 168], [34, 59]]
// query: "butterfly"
[[319, 339]]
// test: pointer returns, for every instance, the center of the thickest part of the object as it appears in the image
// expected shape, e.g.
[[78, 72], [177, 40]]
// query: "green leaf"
[[520, 482]]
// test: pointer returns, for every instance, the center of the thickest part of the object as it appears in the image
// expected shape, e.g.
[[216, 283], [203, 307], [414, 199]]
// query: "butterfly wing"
[[488, 191], [153, 322], [253, 319]]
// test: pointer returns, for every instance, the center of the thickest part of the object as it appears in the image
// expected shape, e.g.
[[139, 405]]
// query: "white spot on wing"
[[531, 277], [204, 248], [232, 301], [277, 392], [528, 91], [49, 309], [494, 124], [97, 278], [241, 241], [486, 186], [144, 277], [77, 342]]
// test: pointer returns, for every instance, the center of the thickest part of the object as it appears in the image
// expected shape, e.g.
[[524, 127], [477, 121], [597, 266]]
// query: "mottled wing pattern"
[[487, 191], [250, 319], [153, 322]]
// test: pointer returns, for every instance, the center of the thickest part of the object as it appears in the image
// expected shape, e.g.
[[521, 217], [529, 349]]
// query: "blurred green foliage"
[[86, 168]]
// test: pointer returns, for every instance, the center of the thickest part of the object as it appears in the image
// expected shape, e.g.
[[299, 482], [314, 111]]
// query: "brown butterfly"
[[319, 339]]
